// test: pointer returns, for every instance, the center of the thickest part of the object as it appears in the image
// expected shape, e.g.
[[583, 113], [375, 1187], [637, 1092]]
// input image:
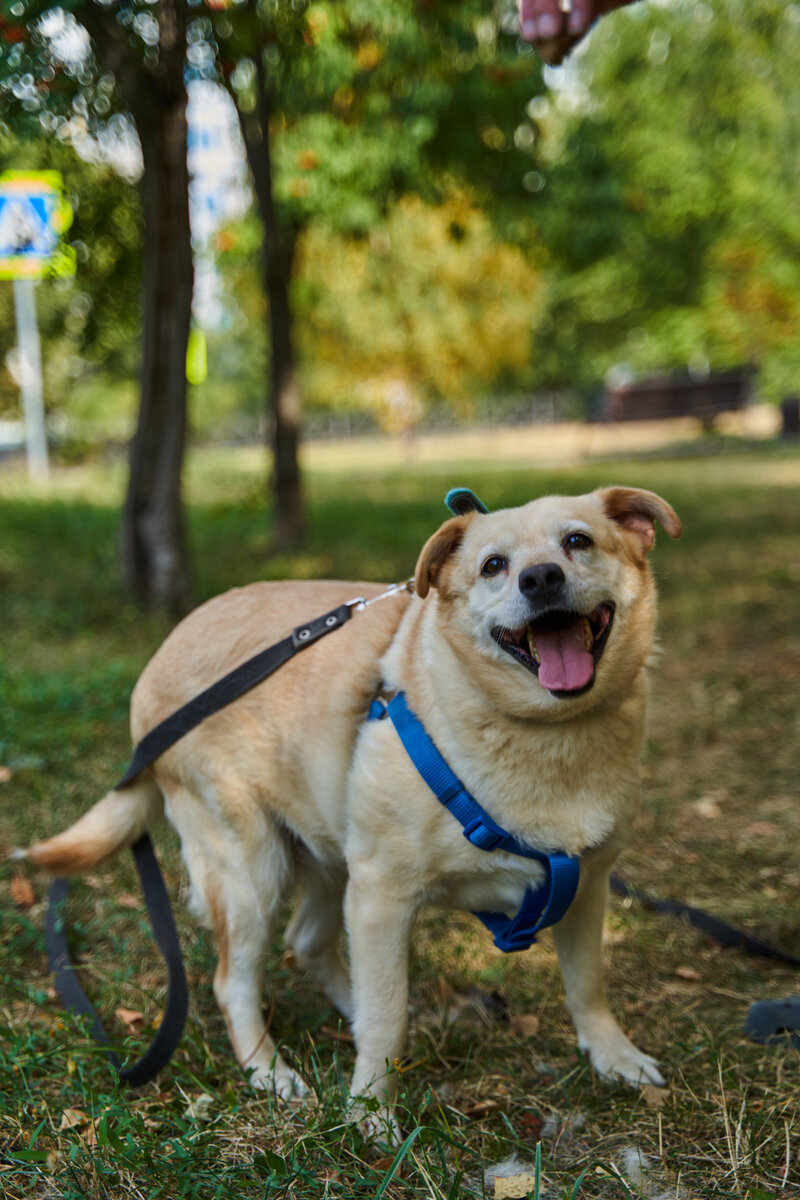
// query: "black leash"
[[68, 986], [720, 931], [188, 717], [770, 1022], [230, 688]]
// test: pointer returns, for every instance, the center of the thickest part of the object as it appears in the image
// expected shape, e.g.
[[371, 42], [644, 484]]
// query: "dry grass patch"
[[492, 1069]]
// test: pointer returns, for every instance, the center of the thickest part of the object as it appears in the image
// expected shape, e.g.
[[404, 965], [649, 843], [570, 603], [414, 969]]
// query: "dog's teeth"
[[588, 636], [534, 653]]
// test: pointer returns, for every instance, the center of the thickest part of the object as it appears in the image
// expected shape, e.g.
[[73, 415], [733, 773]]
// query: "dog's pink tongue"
[[566, 664]]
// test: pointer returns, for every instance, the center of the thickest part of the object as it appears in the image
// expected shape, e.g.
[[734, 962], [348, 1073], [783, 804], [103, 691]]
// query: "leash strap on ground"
[[539, 909], [73, 996], [723, 933]]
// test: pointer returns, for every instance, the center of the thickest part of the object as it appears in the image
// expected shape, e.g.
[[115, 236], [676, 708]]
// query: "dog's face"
[[553, 603]]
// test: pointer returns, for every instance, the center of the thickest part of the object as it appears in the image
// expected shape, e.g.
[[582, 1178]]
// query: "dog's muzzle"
[[560, 647]]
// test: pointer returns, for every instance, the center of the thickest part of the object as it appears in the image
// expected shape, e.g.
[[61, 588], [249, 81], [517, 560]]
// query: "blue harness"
[[540, 908]]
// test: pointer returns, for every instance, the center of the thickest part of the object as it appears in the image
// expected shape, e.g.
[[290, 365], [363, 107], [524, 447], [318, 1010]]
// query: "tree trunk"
[[284, 406], [154, 558], [153, 545]]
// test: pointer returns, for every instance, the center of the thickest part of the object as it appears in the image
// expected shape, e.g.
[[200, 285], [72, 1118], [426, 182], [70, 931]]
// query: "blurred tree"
[[139, 49], [432, 306], [667, 198], [344, 106]]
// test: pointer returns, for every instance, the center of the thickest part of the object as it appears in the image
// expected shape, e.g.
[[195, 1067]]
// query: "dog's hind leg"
[[240, 871], [316, 928]]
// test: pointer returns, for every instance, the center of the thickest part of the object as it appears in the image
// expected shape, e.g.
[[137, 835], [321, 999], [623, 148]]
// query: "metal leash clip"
[[360, 602]]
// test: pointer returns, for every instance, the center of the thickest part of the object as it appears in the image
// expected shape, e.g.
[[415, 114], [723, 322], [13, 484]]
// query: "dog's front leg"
[[578, 938], [380, 917]]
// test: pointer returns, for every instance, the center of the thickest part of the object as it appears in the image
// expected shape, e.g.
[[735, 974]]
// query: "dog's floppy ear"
[[436, 552], [637, 511]]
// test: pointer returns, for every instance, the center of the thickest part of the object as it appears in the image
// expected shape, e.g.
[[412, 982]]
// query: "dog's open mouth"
[[561, 648]]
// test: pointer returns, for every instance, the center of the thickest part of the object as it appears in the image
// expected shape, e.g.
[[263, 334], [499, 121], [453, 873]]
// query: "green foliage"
[[370, 102], [651, 187], [433, 306], [669, 207]]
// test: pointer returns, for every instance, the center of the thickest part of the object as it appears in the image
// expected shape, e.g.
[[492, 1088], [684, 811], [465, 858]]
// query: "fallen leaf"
[[525, 1023], [330, 1175], [443, 990], [5, 774], [654, 1097], [480, 1108], [132, 1020], [760, 829], [531, 1126], [382, 1163], [129, 900], [22, 892], [71, 1118], [686, 973], [513, 1187]]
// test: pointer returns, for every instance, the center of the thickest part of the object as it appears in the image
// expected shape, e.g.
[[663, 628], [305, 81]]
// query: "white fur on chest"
[[559, 785], [496, 885], [552, 791]]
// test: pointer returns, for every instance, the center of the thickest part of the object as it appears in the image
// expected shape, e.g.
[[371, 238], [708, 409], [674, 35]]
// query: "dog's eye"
[[494, 565], [578, 541]]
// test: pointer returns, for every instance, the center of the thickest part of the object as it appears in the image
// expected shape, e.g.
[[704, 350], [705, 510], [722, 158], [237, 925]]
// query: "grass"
[[720, 827]]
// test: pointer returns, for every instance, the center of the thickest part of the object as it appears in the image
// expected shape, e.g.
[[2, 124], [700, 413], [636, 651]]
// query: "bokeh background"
[[471, 235]]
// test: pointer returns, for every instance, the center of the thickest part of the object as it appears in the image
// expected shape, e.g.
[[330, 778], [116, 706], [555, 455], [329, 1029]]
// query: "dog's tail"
[[116, 821]]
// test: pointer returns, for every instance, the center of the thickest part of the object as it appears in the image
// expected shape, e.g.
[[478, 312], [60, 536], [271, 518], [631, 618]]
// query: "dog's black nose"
[[542, 583]]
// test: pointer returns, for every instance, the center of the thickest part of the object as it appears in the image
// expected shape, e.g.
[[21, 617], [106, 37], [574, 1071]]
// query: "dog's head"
[[552, 603]]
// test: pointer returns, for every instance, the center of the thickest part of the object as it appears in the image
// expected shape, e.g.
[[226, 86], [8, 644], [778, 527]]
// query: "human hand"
[[554, 26]]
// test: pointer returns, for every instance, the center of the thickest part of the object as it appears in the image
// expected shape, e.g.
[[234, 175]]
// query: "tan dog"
[[524, 654]]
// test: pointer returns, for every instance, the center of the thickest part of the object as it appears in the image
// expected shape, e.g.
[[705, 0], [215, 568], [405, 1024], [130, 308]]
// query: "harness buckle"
[[479, 834]]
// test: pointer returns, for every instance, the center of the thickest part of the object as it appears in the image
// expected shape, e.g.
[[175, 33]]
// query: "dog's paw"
[[281, 1081], [614, 1057]]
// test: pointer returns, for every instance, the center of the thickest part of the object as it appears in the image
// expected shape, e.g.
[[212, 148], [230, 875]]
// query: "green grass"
[[720, 827]]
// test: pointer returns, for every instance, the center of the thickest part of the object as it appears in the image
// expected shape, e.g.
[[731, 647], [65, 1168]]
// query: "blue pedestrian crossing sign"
[[34, 215]]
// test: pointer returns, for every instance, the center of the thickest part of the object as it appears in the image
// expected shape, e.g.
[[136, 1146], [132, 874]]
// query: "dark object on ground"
[[679, 395], [790, 416], [774, 1022], [69, 988], [720, 931]]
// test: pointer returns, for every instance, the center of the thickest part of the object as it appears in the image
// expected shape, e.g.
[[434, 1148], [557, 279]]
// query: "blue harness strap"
[[539, 909]]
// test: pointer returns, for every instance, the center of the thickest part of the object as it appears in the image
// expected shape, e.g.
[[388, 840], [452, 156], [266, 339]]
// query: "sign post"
[[33, 213], [30, 378]]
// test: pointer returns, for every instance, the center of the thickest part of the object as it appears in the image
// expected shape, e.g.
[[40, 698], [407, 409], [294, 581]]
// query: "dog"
[[523, 650]]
